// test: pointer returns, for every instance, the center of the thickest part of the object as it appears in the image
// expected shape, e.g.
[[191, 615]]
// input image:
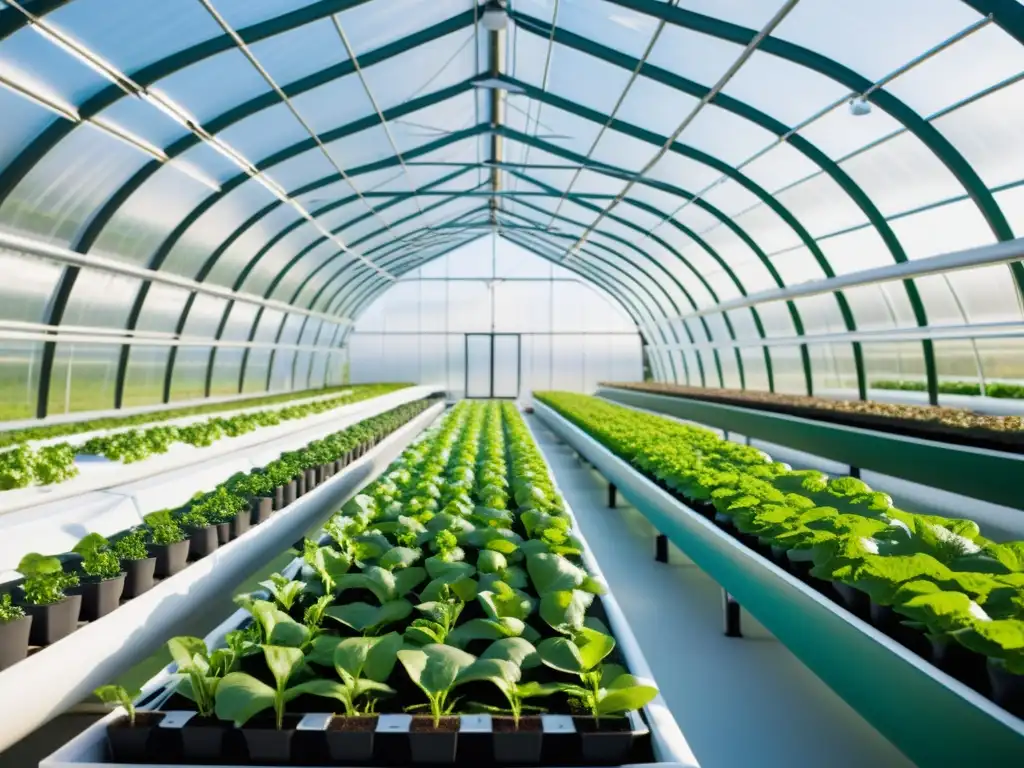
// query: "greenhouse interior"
[[512, 382]]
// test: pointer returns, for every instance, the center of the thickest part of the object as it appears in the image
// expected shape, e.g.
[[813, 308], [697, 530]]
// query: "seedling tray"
[[651, 735], [933, 718]]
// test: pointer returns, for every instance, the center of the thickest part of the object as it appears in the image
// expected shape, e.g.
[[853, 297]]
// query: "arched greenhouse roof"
[[760, 184]]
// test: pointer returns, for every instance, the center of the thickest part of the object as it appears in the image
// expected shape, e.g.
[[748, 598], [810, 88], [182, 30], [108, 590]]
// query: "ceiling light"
[[495, 16], [859, 106]]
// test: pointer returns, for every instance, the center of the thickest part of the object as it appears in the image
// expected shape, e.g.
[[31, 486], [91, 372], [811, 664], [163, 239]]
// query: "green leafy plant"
[[436, 670], [163, 528], [505, 675], [45, 579], [363, 664], [284, 590], [98, 559], [54, 464], [16, 468], [115, 696], [200, 672], [9, 611], [132, 546]]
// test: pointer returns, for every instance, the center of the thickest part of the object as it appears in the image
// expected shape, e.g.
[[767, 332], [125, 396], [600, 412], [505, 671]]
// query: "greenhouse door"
[[493, 365]]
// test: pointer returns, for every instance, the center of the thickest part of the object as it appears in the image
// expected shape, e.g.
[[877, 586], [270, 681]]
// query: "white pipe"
[[986, 255], [89, 261]]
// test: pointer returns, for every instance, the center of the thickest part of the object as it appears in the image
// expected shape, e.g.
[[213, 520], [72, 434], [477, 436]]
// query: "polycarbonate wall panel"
[[256, 369], [281, 372], [19, 378], [27, 298], [83, 377], [226, 369], [188, 381], [98, 300], [144, 378]]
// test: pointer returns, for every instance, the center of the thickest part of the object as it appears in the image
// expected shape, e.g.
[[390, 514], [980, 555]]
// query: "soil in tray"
[[426, 725], [1009, 440]]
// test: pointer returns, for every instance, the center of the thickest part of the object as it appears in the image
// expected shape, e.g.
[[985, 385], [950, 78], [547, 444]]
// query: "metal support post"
[[661, 548], [612, 495], [732, 615]]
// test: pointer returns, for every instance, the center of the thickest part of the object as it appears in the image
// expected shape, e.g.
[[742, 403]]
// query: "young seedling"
[[606, 690], [115, 696], [436, 670], [283, 590], [362, 664], [505, 675], [9, 611], [200, 672]]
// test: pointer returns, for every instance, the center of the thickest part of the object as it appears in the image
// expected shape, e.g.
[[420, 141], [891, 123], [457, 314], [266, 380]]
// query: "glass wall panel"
[[776, 319], [820, 314], [855, 251], [318, 369], [240, 322], [957, 360], [945, 229], [97, 299], [83, 377], [833, 369], [23, 120], [893, 360], [754, 369], [1002, 359], [204, 316], [226, 368], [188, 381], [57, 198], [300, 370], [27, 298], [54, 72], [144, 378], [788, 369], [162, 308], [730, 369], [987, 294], [19, 378], [281, 374]]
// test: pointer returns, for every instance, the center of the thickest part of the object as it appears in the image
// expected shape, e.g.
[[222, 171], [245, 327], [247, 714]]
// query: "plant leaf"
[[282, 662], [514, 649], [241, 696], [435, 668]]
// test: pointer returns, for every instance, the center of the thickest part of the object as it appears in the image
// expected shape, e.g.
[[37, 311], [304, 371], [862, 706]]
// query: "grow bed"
[[100, 650], [506, 593], [979, 473], [951, 425], [866, 656]]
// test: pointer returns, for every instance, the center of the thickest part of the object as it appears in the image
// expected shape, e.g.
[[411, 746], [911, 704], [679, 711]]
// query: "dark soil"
[[604, 725], [426, 725], [353, 724], [142, 720], [507, 725]]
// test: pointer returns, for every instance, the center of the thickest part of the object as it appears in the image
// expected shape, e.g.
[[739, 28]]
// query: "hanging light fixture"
[[859, 106], [495, 15]]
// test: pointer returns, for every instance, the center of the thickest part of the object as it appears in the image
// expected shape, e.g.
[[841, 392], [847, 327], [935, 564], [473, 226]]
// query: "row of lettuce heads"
[[22, 466], [462, 545], [971, 388], [244, 499], [939, 573]]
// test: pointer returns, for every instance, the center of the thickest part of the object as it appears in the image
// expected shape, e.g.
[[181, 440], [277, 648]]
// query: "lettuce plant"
[[363, 664], [505, 675], [45, 579], [284, 590], [9, 611], [115, 696], [16, 468], [98, 559], [200, 672], [132, 546], [54, 464], [163, 528], [436, 670]]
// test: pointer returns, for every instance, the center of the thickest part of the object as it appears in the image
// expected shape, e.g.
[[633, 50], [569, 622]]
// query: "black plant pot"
[[101, 597], [433, 746], [263, 507], [279, 502], [204, 541], [1007, 688], [138, 576], [223, 533], [269, 745], [291, 493], [202, 740], [240, 524], [517, 747], [350, 739], [50, 623], [965, 665], [129, 744], [312, 481], [857, 602], [300, 485], [607, 742], [14, 640], [170, 558]]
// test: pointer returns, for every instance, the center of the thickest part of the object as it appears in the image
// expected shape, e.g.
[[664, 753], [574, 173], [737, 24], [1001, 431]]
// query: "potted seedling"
[[199, 675], [54, 613], [606, 693], [129, 734], [104, 580], [202, 533], [436, 670], [362, 664], [167, 543], [241, 697], [15, 626], [517, 740], [136, 562]]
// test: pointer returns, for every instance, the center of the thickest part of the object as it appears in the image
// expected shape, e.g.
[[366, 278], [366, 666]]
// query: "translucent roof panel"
[[710, 177]]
